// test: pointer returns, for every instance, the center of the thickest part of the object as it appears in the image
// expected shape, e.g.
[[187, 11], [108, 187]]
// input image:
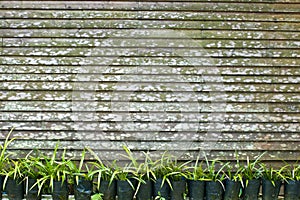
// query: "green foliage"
[[271, 174], [145, 170], [31, 166], [129, 171], [97, 196], [4, 156], [103, 172], [252, 169], [161, 169], [159, 197], [8, 167], [196, 172], [49, 169], [52, 169], [13, 169], [290, 172], [160, 166], [234, 171], [214, 170], [77, 171], [123, 173], [175, 171]]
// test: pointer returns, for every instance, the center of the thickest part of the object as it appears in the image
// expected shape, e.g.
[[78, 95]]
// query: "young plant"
[[130, 170], [144, 171], [52, 170], [4, 156], [215, 173], [129, 155], [161, 169], [178, 170], [234, 172], [271, 174], [196, 172], [77, 171], [291, 172], [31, 166], [103, 172], [141, 172], [14, 170], [252, 170], [122, 173]]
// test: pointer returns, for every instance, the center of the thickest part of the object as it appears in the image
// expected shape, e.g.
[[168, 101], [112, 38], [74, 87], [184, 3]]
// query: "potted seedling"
[[162, 184], [271, 182], [4, 157], [126, 182], [32, 172], [291, 175], [126, 176], [252, 173], [83, 178], [233, 183], [214, 186], [145, 176], [106, 183], [196, 181], [234, 180], [54, 173], [177, 176], [14, 179]]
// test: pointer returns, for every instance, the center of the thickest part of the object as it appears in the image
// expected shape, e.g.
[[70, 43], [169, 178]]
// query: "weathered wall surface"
[[183, 76]]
